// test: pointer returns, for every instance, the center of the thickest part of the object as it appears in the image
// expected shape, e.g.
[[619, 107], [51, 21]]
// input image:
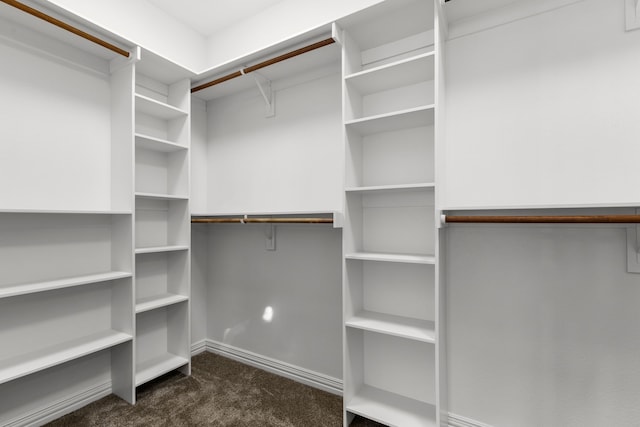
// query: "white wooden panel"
[[53, 246], [161, 223], [400, 289], [544, 118], [53, 115], [152, 126], [151, 335], [122, 125], [199, 281], [151, 275], [399, 365], [37, 392], [151, 172], [161, 273], [353, 357], [291, 162], [37, 321], [404, 230], [396, 99], [198, 160], [161, 172], [402, 157]]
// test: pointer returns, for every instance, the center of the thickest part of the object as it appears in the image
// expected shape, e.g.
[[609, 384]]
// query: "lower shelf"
[[20, 366], [404, 327], [391, 409], [386, 257], [157, 249], [153, 368], [159, 301]]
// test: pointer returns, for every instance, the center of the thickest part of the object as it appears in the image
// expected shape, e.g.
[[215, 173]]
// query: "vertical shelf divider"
[[392, 285], [162, 222]]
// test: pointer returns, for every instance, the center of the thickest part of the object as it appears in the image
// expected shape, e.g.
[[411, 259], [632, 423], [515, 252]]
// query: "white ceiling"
[[209, 16]]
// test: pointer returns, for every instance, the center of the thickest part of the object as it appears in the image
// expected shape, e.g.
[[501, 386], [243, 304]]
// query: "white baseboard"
[[198, 347], [296, 373], [460, 421], [61, 407]]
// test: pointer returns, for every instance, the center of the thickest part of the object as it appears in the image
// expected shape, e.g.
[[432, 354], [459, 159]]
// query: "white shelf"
[[159, 301], [391, 409], [393, 188], [404, 119], [153, 368], [385, 257], [29, 288], [159, 109], [405, 327], [157, 196], [19, 366], [401, 73], [158, 249], [157, 144]]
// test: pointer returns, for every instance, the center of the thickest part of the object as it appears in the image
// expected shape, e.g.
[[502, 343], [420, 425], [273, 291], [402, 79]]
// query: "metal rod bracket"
[[270, 233], [633, 248]]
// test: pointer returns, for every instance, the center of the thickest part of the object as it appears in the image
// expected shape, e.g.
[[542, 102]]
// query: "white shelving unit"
[[66, 220], [162, 220], [391, 242]]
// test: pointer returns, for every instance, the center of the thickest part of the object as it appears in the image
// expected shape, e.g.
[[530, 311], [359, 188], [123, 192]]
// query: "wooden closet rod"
[[266, 63], [547, 219], [233, 220], [65, 26]]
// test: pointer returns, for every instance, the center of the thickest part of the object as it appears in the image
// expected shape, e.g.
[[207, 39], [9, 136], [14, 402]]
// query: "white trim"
[[198, 347], [62, 407], [460, 421], [296, 373]]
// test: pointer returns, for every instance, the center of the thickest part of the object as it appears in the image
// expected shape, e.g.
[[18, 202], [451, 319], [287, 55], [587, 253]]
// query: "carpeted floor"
[[220, 392]]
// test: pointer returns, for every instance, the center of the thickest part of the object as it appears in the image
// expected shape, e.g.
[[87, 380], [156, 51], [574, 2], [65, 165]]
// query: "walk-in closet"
[[423, 210]]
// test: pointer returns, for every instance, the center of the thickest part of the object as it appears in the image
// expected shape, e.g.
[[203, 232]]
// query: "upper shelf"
[[405, 119], [389, 21], [401, 73], [157, 144], [150, 106], [391, 188], [29, 288]]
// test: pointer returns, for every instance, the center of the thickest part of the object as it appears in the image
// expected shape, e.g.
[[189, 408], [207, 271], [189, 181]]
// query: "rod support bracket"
[[266, 90], [632, 14], [270, 234], [633, 248]]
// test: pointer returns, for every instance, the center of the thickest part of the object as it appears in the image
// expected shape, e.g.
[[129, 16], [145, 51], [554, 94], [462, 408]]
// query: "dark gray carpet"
[[220, 392]]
